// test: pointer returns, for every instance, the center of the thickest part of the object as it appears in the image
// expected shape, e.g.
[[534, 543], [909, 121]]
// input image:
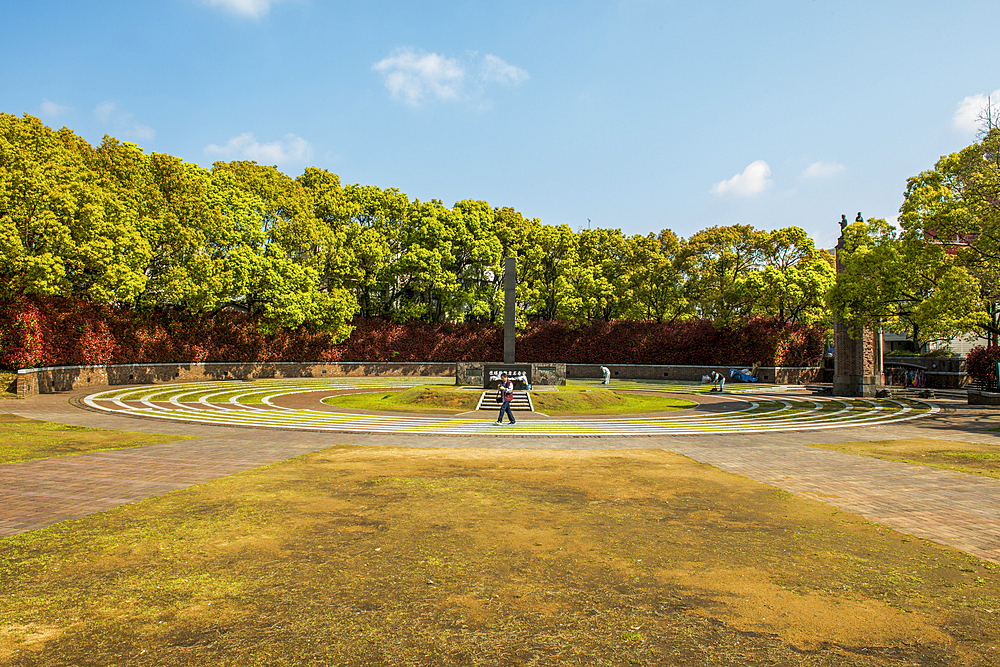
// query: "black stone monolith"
[[509, 281]]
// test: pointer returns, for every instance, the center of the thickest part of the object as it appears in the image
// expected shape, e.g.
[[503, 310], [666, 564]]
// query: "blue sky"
[[637, 115]]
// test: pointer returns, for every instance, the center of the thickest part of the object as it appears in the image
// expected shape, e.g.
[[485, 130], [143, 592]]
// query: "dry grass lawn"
[[975, 458], [392, 556], [8, 384], [23, 439]]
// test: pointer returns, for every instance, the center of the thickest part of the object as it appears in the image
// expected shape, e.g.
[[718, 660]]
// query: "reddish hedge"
[[981, 364], [698, 342], [55, 331]]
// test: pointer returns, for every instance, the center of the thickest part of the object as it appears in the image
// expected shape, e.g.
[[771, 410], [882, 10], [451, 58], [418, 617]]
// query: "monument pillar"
[[857, 353], [509, 283]]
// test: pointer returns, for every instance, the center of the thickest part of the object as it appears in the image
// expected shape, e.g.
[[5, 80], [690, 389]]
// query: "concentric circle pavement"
[[260, 404], [765, 443]]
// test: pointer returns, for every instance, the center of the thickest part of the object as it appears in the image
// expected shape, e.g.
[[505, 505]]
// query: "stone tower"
[[857, 355]]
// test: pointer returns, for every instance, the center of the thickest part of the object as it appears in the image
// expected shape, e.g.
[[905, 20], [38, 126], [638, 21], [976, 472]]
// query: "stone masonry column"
[[857, 362]]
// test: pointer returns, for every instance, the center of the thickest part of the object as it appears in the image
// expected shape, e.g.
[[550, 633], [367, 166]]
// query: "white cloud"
[[497, 69], [966, 118], [822, 170], [104, 110], [254, 9], [414, 76], [292, 149], [51, 109], [108, 112], [141, 131], [752, 181]]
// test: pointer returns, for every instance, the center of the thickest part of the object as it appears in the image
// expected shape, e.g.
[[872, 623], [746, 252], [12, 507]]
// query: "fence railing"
[[993, 385], [905, 376], [989, 384]]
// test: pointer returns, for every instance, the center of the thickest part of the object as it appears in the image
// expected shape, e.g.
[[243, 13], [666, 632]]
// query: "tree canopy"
[[904, 282], [116, 225], [938, 276], [956, 205]]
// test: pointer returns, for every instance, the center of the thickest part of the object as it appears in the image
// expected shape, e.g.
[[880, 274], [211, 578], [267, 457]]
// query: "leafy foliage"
[[906, 283], [981, 364], [957, 206], [118, 227]]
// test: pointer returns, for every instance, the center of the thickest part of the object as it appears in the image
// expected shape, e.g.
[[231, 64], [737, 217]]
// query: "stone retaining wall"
[[32, 381], [977, 397], [940, 372], [771, 374]]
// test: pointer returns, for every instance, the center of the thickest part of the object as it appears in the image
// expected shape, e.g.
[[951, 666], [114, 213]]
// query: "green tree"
[[793, 279], [904, 283], [276, 270], [549, 252], [166, 202], [61, 232], [372, 224], [658, 268], [598, 275], [478, 252], [721, 260], [517, 235], [957, 204]]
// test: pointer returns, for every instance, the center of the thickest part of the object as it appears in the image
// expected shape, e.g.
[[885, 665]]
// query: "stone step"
[[521, 401]]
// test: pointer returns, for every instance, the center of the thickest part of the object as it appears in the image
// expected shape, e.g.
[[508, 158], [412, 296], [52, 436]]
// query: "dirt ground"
[[393, 556]]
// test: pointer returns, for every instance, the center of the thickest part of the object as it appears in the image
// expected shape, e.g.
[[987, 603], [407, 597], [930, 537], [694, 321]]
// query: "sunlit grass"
[[428, 557], [582, 399], [967, 457], [674, 386], [27, 439], [8, 384], [426, 399]]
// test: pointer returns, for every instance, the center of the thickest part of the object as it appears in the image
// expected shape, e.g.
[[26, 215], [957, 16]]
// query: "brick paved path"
[[39, 493], [950, 508]]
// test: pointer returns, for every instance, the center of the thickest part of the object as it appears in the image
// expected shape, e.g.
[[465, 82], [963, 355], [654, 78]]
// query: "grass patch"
[[581, 399], [394, 556], [571, 399], [8, 384], [423, 398], [977, 459], [24, 439]]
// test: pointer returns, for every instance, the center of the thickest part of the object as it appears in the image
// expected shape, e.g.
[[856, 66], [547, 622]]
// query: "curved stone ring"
[[297, 404]]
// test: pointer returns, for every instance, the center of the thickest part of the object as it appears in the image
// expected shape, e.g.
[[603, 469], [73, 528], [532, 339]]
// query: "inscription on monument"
[[521, 375]]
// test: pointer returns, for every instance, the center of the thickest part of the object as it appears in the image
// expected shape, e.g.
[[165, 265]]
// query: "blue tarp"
[[740, 376]]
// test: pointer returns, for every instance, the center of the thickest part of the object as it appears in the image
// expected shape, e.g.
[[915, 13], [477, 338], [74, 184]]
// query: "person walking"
[[507, 388]]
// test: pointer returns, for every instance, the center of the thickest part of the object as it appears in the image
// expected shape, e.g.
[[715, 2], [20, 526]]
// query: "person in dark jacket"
[[507, 387]]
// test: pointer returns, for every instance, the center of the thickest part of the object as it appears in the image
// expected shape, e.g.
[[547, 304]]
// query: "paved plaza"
[[766, 445]]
